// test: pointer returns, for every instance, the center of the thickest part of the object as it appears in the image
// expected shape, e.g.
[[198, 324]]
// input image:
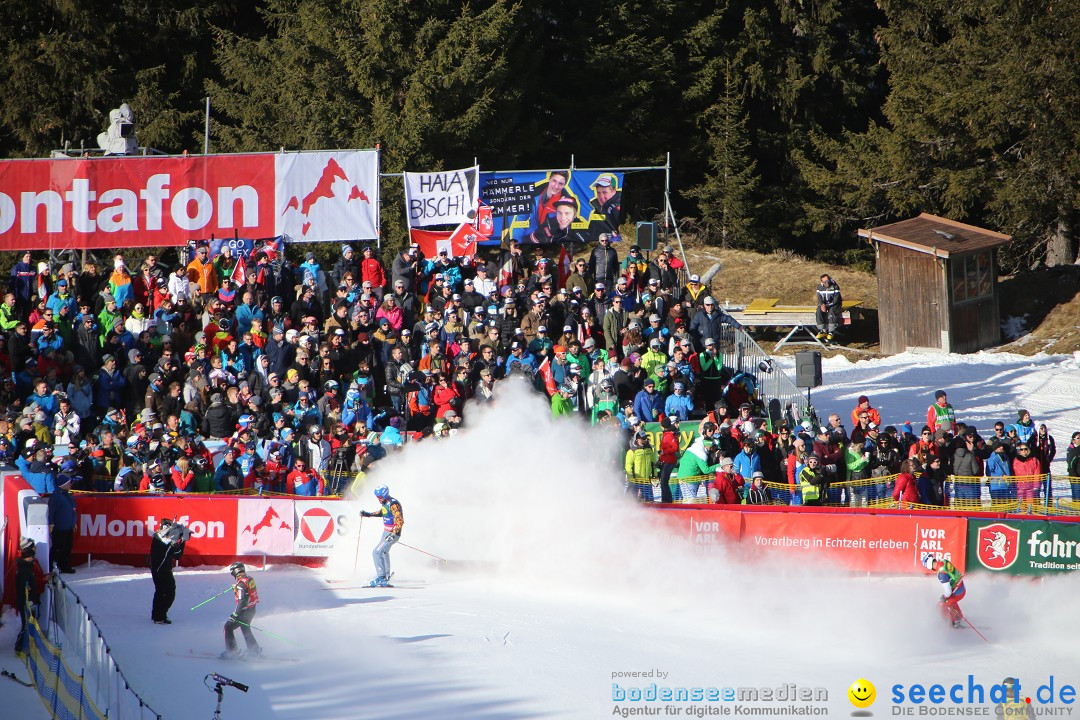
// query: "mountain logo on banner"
[[324, 189], [316, 525], [270, 521]]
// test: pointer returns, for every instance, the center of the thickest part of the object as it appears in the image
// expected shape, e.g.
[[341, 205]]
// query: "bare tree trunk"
[[1060, 249]]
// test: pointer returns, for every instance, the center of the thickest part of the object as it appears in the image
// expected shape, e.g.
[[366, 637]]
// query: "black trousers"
[[244, 616], [164, 592], [60, 550]]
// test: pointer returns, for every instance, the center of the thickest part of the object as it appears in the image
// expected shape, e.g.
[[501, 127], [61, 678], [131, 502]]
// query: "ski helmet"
[[928, 561], [237, 568], [382, 492]]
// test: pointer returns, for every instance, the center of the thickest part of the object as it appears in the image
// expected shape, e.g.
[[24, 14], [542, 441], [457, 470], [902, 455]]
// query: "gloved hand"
[[365, 513], [830, 469], [234, 618], [395, 536], [941, 599]]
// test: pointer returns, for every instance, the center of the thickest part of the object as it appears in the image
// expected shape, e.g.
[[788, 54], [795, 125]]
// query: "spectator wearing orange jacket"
[[864, 408], [201, 273]]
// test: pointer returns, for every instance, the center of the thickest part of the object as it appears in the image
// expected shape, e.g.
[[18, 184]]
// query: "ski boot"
[[253, 652], [820, 335], [231, 654], [958, 624], [828, 337], [379, 582]]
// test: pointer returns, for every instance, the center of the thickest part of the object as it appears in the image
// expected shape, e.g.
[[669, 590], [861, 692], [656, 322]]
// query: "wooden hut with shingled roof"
[[937, 285]]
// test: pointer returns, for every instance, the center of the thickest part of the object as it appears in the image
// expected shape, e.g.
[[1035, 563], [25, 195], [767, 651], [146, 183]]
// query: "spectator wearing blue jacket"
[[519, 359], [747, 461], [229, 474], [245, 313], [36, 471], [44, 399], [997, 467], [679, 404], [1025, 426], [647, 403], [62, 518], [109, 388], [60, 298]]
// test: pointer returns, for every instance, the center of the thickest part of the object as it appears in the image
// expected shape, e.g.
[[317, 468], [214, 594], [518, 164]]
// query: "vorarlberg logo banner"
[[1023, 547]]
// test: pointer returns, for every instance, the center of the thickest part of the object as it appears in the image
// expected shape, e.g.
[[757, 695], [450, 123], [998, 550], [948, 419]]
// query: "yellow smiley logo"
[[862, 693]]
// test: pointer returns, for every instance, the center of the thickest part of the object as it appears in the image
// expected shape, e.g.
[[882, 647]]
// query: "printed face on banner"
[[329, 196], [552, 207]]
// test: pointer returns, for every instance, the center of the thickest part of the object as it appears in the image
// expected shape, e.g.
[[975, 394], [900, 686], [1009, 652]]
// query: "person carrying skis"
[[247, 597], [393, 521], [952, 586], [166, 546]]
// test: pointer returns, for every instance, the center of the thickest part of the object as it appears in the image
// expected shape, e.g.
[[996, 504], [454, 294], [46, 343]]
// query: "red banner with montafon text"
[[156, 201]]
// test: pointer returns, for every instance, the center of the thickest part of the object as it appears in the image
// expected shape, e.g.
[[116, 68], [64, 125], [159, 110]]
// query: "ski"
[[376, 587], [10, 675], [199, 655]]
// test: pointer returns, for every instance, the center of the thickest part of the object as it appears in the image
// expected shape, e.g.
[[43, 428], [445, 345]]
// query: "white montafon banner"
[[441, 198], [327, 196]]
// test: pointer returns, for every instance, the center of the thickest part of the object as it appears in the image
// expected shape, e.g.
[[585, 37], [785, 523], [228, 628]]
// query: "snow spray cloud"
[[522, 497], [516, 493], [540, 501]]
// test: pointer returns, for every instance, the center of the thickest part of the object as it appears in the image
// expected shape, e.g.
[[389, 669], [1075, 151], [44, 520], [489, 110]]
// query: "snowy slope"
[[567, 582]]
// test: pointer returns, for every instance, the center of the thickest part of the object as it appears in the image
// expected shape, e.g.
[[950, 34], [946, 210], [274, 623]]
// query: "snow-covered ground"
[[561, 583]]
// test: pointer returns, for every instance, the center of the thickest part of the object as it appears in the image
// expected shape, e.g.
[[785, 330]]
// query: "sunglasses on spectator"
[[927, 433], [1023, 448]]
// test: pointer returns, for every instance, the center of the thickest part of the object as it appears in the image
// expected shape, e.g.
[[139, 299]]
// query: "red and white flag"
[[458, 243], [565, 265], [239, 273], [545, 372]]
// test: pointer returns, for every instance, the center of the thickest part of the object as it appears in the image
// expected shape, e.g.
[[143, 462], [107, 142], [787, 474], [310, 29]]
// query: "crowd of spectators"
[[258, 374], [220, 373], [737, 458]]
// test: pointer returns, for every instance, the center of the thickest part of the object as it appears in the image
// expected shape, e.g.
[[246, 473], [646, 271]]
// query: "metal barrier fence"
[[72, 667], [1035, 494], [742, 354]]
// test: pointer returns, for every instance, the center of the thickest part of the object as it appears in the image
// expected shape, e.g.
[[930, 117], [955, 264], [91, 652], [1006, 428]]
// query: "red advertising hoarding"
[[148, 201]]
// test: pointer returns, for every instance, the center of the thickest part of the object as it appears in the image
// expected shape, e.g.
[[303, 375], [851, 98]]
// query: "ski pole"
[[977, 631], [214, 597], [293, 642], [422, 551], [356, 554]]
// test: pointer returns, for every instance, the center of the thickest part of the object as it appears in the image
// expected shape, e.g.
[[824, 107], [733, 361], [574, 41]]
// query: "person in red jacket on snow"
[[668, 455], [907, 489], [725, 488]]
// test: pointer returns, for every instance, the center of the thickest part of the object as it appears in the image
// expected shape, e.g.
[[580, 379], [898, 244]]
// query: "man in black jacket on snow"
[[166, 547]]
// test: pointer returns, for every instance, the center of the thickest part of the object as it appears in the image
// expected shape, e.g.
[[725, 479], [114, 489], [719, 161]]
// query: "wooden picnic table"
[[765, 312]]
